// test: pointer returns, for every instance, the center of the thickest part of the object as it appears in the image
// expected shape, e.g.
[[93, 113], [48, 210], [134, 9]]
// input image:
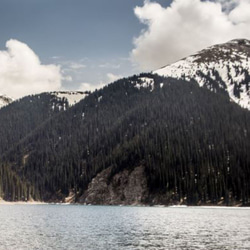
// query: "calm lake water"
[[108, 227]]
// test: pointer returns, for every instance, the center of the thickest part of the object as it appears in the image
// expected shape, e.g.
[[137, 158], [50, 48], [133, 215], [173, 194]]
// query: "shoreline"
[[22, 203], [214, 206]]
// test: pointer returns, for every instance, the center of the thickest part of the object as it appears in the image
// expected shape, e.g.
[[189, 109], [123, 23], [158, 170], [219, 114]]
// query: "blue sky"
[[69, 28], [83, 44], [94, 34]]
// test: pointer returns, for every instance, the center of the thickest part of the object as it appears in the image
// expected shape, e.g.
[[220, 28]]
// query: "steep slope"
[[18, 120], [220, 67], [22, 116], [171, 140], [69, 97], [4, 100]]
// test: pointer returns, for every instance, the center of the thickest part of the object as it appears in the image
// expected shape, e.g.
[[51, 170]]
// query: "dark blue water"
[[107, 227]]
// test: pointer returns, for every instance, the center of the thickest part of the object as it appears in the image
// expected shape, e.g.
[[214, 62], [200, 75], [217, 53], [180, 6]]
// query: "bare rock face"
[[126, 187]]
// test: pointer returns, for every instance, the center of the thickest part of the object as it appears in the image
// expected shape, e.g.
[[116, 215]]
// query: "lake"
[[114, 227]]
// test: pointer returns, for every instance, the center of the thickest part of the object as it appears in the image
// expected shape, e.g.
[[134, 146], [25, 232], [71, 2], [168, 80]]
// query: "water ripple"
[[104, 227]]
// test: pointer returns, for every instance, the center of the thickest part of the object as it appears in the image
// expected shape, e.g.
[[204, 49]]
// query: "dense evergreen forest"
[[17, 121], [21, 117], [194, 144]]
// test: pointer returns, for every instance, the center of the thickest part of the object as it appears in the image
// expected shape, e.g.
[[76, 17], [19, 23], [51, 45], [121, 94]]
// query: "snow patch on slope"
[[227, 64], [145, 82], [72, 97]]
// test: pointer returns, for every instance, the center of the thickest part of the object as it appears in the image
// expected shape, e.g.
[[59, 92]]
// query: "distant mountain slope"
[[18, 120], [24, 115], [4, 100], [21, 117], [72, 97], [174, 142], [220, 67]]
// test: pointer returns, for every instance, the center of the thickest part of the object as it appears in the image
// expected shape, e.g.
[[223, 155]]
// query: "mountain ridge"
[[225, 65], [145, 139], [157, 134], [72, 97]]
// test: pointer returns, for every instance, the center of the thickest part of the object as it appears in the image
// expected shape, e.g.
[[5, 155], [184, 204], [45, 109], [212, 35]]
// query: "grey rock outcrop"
[[123, 188]]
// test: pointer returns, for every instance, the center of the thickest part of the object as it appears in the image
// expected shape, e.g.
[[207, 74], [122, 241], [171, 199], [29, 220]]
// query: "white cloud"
[[241, 14], [110, 66], [56, 57], [112, 77], [187, 26], [228, 5], [67, 78], [21, 72], [74, 65], [90, 87]]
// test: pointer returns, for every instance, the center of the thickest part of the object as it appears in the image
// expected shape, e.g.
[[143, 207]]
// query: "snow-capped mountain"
[[66, 98], [4, 100], [224, 66]]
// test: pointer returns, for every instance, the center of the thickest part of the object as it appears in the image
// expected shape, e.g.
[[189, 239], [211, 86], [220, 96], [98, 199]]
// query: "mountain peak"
[[241, 42], [219, 67], [234, 50]]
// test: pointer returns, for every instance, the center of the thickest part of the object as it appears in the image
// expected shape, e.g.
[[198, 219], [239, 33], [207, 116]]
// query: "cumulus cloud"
[[90, 87], [67, 78], [76, 66], [187, 26], [110, 66], [110, 77], [21, 72], [228, 5]]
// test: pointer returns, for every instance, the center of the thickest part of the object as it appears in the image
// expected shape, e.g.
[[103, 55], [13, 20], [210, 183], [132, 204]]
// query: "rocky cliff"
[[126, 187]]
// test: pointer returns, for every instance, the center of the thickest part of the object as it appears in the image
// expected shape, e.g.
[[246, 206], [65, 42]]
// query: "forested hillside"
[[23, 116], [17, 121], [193, 145], [222, 66]]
